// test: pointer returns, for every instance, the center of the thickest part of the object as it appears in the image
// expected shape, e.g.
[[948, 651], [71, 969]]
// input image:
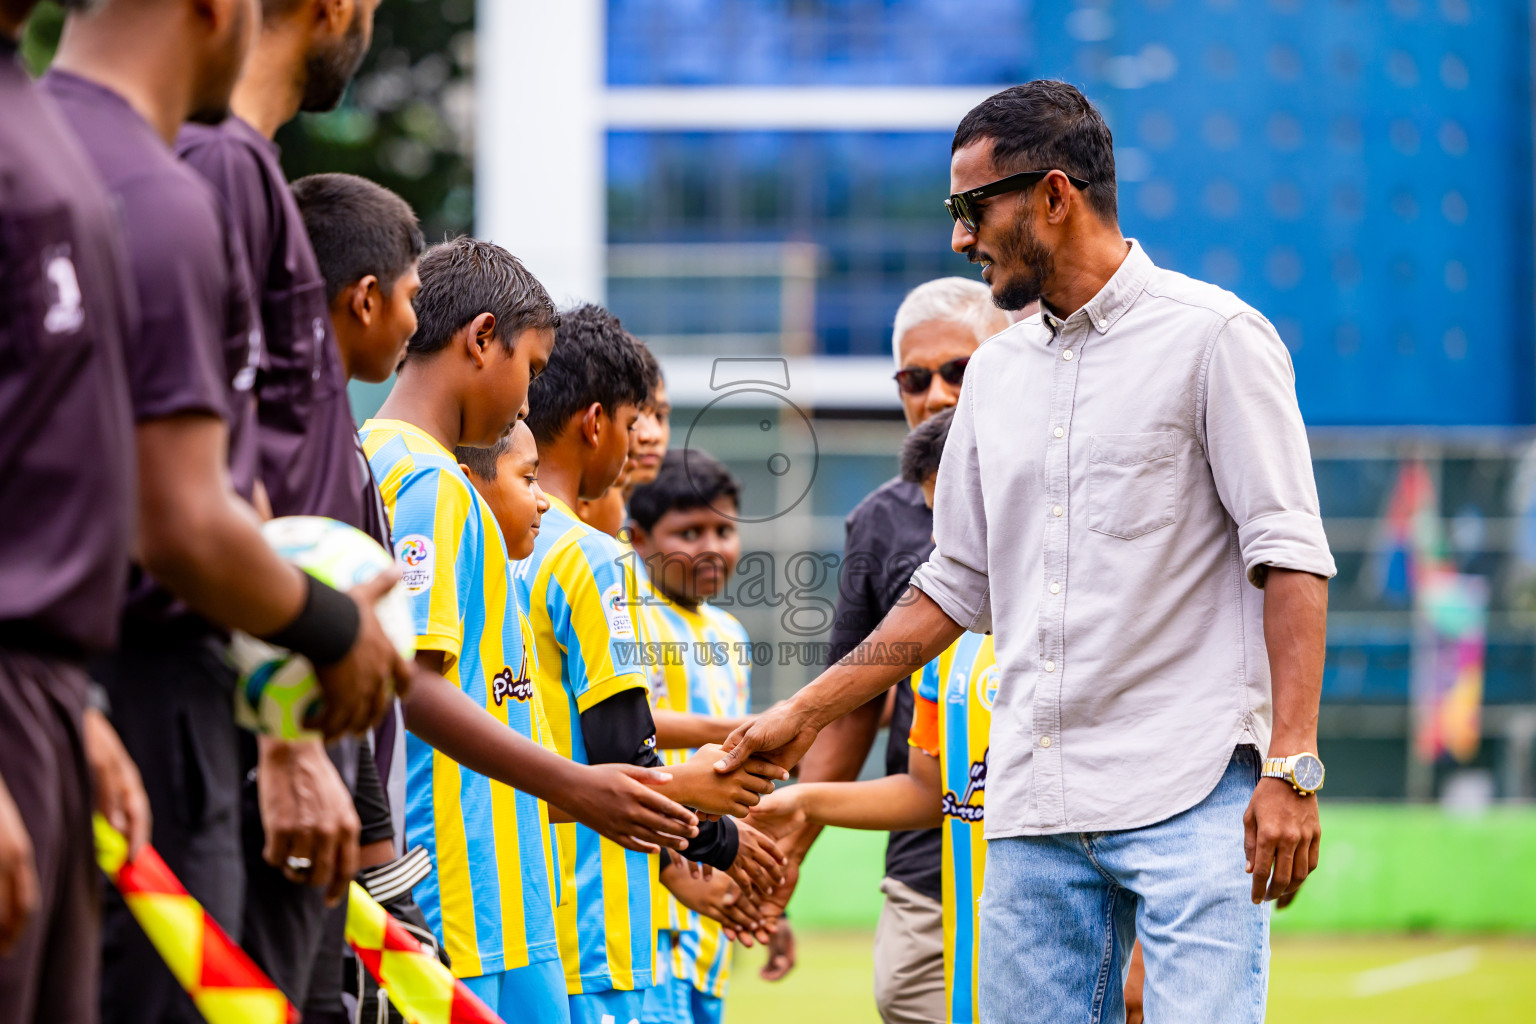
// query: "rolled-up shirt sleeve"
[[1257, 448], [955, 575]]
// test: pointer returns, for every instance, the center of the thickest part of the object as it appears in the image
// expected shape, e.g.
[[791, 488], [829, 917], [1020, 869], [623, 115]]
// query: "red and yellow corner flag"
[[224, 984], [422, 989]]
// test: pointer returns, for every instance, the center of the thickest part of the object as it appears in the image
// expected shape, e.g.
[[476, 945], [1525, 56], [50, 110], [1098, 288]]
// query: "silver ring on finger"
[[299, 865]]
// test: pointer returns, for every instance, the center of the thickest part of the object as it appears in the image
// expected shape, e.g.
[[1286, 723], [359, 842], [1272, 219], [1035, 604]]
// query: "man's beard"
[[328, 73], [1031, 263]]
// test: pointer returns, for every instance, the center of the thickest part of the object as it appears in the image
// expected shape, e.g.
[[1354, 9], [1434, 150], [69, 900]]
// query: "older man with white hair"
[[938, 326]]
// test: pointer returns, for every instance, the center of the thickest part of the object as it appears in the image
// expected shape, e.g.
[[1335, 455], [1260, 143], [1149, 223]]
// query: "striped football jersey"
[[490, 898], [951, 720]]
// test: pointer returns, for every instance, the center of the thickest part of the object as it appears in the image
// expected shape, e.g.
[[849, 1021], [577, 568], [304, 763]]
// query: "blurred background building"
[[762, 178]]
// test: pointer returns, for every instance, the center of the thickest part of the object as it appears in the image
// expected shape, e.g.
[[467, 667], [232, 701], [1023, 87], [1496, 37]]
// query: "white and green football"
[[278, 689]]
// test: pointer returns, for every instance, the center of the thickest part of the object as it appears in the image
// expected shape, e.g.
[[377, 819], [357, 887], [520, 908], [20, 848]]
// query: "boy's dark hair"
[[466, 277], [688, 478], [358, 227], [595, 360], [652, 371], [1046, 125], [924, 447], [482, 461]]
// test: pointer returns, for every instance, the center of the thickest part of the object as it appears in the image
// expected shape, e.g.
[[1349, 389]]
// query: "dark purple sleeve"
[[234, 172], [177, 249]]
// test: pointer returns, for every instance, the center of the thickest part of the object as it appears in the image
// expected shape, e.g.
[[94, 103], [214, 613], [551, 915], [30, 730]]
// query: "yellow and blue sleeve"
[[593, 619], [434, 529]]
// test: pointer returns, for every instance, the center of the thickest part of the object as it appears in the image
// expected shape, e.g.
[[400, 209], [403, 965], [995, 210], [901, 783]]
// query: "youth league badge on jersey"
[[986, 686], [616, 609], [416, 560]]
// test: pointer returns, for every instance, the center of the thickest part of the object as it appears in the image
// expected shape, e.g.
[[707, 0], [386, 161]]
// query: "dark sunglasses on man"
[[914, 380], [962, 205]]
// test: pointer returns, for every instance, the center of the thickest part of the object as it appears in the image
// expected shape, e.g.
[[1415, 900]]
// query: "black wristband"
[[325, 630], [715, 845]]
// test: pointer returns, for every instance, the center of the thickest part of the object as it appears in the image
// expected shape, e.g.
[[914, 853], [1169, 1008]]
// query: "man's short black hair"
[[924, 447], [595, 360], [466, 277], [690, 478], [358, 227], [482, 461], [1046, 125]]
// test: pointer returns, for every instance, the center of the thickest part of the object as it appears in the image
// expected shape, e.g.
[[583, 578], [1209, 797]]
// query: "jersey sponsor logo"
[[503, 685], [616, 610], [986, 686], [960, 806], [66, 311], [416, 557]]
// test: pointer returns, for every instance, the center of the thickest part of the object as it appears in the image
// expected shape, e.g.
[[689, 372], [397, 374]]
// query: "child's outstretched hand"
[[759, 866], [717, 897], [697, 784], [779, 814]]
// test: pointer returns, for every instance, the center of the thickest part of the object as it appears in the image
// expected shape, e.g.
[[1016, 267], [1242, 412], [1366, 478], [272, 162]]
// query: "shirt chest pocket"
[[1133, 483]]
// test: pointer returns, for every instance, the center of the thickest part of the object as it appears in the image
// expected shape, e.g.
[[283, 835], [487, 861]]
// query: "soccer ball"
[[278, 689]]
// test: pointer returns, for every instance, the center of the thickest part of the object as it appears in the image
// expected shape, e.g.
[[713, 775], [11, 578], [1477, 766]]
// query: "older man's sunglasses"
[[962, 205], [914, 380]]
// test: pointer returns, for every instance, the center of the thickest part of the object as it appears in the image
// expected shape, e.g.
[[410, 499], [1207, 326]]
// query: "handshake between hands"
[[748, 898]]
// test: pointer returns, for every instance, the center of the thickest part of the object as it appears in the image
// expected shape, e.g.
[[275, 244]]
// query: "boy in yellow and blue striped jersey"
[[579, 591], [492, 893], [486, 326], [683, 528]]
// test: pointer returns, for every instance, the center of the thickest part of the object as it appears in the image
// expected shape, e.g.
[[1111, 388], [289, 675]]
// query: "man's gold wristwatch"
[[1303, 771]]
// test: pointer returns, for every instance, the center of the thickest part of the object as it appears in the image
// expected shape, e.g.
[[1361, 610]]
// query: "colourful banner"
[[225, 985], [413, 978], [1451, 623]]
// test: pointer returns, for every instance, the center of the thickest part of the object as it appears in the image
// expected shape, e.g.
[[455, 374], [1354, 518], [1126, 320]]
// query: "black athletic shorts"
[[50, 976], [173, 708]]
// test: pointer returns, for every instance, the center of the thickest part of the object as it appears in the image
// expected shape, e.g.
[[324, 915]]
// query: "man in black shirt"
[[889, 534]]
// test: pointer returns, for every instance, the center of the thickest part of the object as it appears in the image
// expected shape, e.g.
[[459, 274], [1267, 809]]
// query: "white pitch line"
[[1419, 971]]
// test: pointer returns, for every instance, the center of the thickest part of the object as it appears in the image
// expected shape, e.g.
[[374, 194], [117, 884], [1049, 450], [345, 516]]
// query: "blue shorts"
[[610, 1007], [676, 1001], [534, 993]]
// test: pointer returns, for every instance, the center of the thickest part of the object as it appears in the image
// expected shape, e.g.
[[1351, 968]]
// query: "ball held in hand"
[[278, 689]]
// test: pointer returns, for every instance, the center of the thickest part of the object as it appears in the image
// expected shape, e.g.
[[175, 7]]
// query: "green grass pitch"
[[1466, 979]]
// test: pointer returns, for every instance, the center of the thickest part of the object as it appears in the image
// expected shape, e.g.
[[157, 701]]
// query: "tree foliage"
[[407, 122]]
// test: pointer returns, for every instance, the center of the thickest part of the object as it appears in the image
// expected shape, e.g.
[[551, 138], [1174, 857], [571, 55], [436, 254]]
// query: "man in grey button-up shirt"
[[1126, 500]]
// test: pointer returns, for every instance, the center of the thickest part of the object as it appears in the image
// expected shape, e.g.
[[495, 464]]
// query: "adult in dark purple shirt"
[[126, 77], [303, 59], [66, 505]]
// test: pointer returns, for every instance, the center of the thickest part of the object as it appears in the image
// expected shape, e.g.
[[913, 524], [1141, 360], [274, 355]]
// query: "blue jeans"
[[1060, 913]]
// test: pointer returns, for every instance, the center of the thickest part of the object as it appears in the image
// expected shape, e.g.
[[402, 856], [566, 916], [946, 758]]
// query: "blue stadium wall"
[[1360, 172]]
